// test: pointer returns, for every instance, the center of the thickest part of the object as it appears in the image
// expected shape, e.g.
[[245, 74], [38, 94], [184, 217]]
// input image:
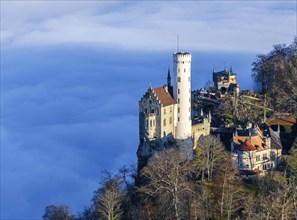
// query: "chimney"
[[166, 88]]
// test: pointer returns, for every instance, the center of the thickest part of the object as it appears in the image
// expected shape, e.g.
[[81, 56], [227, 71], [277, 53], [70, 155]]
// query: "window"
[[146, 123], [177, 118], [178, 110], [184, 70], [264, 156], [178, 70], [170, 120], [170, 109], [178, 79], [257, 158], [164, 111], [145, 110], [151, 123], [164, 133], [272, 156], [164, 122], [177, 100], [178, 91]]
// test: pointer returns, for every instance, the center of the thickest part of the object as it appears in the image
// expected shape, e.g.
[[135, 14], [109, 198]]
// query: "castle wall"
[[167, 120], [200, 129]]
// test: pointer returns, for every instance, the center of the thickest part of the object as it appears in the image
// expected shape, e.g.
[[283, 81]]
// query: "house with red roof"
[[256, 151]]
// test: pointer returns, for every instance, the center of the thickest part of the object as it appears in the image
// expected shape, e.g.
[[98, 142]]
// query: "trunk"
[[176, 213], [149, 213], [283, 213], [265, 107], [208, 166], [230, 205], [222, 198]]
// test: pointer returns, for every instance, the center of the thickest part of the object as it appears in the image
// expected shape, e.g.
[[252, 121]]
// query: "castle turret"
[[182, 94], [169, 86]]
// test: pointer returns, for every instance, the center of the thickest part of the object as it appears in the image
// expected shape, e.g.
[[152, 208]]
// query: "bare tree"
[[57, 212], [276, 75], [108, 198], [209, 155], [229, 188], [167, 176]]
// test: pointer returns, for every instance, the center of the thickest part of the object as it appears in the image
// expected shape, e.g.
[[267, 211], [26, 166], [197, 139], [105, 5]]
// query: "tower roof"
[[168, 74], [181, 53]]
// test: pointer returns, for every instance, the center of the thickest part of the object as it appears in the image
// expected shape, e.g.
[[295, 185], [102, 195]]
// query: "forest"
[[170, 186]]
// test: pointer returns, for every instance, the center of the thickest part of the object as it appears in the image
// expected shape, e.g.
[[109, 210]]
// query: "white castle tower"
[[182, 94]]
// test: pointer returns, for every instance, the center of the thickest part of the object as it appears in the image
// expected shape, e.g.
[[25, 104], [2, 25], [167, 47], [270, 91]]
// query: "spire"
[[168, 77], [170, 88]]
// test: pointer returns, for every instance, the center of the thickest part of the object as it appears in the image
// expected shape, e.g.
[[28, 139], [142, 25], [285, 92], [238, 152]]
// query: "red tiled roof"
[[281, 121], [247, 146], [164, 96], [253, 140]]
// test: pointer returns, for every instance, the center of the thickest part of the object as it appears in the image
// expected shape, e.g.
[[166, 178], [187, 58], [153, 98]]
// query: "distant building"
[[256, 152], [225, 81]]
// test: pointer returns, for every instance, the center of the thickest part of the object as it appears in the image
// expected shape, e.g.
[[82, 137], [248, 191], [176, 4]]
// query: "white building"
[[256, 152]]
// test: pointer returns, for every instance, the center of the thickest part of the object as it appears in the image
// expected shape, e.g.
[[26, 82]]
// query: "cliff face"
[[147, 148]]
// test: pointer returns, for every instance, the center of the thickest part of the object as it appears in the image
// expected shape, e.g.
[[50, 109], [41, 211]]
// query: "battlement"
[[182, 57]]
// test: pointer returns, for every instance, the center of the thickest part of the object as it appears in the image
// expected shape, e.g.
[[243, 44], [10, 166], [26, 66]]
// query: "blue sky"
[[72, 73]]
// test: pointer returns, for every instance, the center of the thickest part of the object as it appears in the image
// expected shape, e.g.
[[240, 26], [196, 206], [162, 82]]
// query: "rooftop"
[[163, 95], [250, 142], [224, 72], [181, 53]]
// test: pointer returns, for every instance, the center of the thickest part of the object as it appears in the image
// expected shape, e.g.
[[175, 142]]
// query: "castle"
[[166, 110], [225, 81]]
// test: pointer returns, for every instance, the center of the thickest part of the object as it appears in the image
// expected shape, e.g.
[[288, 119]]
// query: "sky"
[[72, 73]]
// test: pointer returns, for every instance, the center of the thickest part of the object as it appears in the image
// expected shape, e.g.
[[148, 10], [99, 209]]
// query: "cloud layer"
[[219, 25]]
